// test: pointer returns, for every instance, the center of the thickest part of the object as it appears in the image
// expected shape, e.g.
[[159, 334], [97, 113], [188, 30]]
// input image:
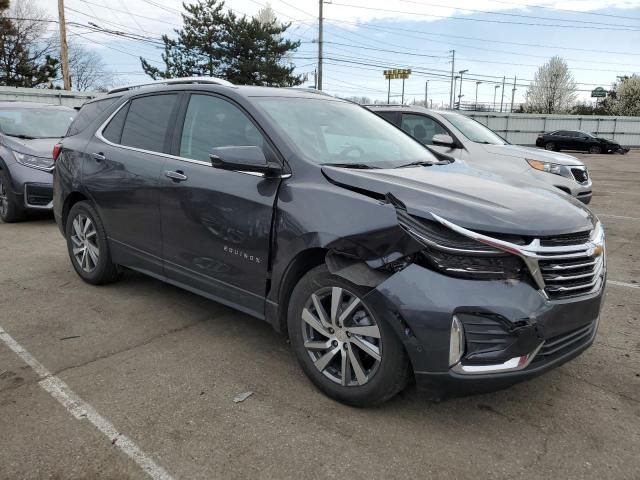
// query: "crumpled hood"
[[38, 147], [533, 154], [475, 199]]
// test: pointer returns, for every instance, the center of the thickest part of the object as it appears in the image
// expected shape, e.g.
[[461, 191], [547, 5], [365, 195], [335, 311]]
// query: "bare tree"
[[266, 15], [27, 47], [553, 89], [88, 70]]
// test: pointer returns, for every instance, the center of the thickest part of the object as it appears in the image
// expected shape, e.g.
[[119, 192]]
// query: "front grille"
[[581, 175], [571, 273], [566, 239], [560, 344]]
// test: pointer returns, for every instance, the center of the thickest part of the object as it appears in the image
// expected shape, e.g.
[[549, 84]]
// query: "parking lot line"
[[81, 410], [623, 284], [617, 216]]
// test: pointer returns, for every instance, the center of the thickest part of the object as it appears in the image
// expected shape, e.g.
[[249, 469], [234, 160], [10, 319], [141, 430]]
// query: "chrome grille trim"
[[540, 261]]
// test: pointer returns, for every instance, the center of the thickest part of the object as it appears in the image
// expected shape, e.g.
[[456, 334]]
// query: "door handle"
[[177, 176], [99, 157]]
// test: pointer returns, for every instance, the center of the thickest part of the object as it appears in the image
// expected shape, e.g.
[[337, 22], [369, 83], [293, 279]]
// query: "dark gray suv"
[[382, 262], [28, 132]]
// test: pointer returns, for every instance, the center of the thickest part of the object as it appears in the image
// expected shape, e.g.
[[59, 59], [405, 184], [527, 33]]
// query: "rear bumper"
[[517, 319]]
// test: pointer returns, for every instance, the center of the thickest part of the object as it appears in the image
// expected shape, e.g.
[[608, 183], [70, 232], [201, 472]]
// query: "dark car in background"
[[381, 262], [28, 132], [578, 140]]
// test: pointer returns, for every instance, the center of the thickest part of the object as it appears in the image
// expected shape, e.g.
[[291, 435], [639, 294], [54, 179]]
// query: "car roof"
[[17, 104], [215, 85], [406, 108]]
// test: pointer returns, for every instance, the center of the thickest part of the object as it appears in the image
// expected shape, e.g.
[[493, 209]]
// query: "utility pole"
[[455, 85], [513, 92], [461, 72], [426, 94], [402, 103], [320, 20], [476, 105], [453, 88], [495, 89], [64, 53], [502, 93]]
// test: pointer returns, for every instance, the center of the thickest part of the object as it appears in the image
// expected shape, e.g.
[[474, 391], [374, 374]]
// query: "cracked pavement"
[[164, 365]]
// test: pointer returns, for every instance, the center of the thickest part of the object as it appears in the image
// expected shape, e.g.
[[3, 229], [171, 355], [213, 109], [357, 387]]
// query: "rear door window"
[[113, 131], [147, 123], [88, 113]]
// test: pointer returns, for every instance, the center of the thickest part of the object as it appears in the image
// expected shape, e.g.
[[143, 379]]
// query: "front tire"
[[88, 246], [10, 209], [343, 346], [595, 149]]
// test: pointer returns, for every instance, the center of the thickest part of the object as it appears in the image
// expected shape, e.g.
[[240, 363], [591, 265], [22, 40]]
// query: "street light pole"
[[461, 72], [476, 106]]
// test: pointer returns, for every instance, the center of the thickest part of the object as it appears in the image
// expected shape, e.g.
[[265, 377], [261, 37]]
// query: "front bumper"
[[420, 303], [33, 187]]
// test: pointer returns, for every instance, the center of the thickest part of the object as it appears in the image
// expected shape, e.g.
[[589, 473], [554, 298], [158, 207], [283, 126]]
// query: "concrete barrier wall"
[[39, 95], [523, 128]]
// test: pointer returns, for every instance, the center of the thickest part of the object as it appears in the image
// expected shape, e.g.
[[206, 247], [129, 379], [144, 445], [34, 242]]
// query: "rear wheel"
[[88, 246], [346, 350], [596, 149], [10, 209], [550, 146]]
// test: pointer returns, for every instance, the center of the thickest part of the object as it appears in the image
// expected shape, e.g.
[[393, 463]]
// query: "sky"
[[492, 39]]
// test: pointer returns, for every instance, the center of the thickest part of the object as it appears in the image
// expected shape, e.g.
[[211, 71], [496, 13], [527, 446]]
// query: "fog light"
[[456, 341]]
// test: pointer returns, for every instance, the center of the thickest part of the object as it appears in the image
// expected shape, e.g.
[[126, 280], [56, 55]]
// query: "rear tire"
[[595, 149], [10, 209], [88, 246], [551, 146], [349, 352]]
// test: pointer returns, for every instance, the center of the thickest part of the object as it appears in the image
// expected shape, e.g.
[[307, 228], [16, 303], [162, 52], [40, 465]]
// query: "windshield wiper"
[[361, 166], [424, 163], [21, 136]]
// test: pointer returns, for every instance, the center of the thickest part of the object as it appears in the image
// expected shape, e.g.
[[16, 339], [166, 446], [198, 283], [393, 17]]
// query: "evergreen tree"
[[214, 43]]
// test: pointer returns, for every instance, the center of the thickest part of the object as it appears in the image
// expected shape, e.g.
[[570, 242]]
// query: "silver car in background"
[[464, 138]]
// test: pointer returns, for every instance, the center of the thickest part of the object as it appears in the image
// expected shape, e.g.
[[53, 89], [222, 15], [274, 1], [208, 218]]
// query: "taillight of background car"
[[57, 148]]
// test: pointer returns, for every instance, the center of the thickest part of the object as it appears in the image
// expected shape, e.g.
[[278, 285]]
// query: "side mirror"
[[443, 140], [247, 158]]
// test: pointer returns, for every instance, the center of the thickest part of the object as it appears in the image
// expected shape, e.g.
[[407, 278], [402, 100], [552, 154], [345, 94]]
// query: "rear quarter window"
[[88, 113]]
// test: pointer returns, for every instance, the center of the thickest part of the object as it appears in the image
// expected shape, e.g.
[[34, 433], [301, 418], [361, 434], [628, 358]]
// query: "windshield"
[[334, 132], [474, 131], [588, 134], [45, 122]]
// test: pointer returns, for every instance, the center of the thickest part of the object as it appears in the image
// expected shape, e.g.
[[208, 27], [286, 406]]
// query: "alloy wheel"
[[4, 200], [549, 146], [344, 344], [85, 243]]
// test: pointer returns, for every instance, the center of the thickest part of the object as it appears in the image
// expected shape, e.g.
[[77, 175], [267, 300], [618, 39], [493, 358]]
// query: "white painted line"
[[616, 216], [83, 411], [623, 284]]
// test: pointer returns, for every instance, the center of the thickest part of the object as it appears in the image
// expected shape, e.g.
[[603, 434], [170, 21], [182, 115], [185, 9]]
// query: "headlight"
[[498, 267], [41, 163], [554, 168]]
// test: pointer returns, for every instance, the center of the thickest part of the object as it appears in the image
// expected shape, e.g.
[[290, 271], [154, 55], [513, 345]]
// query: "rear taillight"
[[57, 148]]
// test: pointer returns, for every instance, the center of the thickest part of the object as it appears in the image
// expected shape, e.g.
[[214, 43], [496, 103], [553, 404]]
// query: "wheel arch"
[[71, 199], [296, 269]]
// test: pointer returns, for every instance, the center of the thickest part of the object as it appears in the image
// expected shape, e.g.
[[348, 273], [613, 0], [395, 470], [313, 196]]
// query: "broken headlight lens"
[[476, 267]]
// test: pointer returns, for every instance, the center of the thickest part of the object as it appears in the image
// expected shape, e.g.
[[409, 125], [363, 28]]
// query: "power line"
[[521, 5], [485, 20], [518, 15]]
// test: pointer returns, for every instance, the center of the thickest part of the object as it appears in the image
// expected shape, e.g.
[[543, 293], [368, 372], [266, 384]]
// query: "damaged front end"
[[477, 310]]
